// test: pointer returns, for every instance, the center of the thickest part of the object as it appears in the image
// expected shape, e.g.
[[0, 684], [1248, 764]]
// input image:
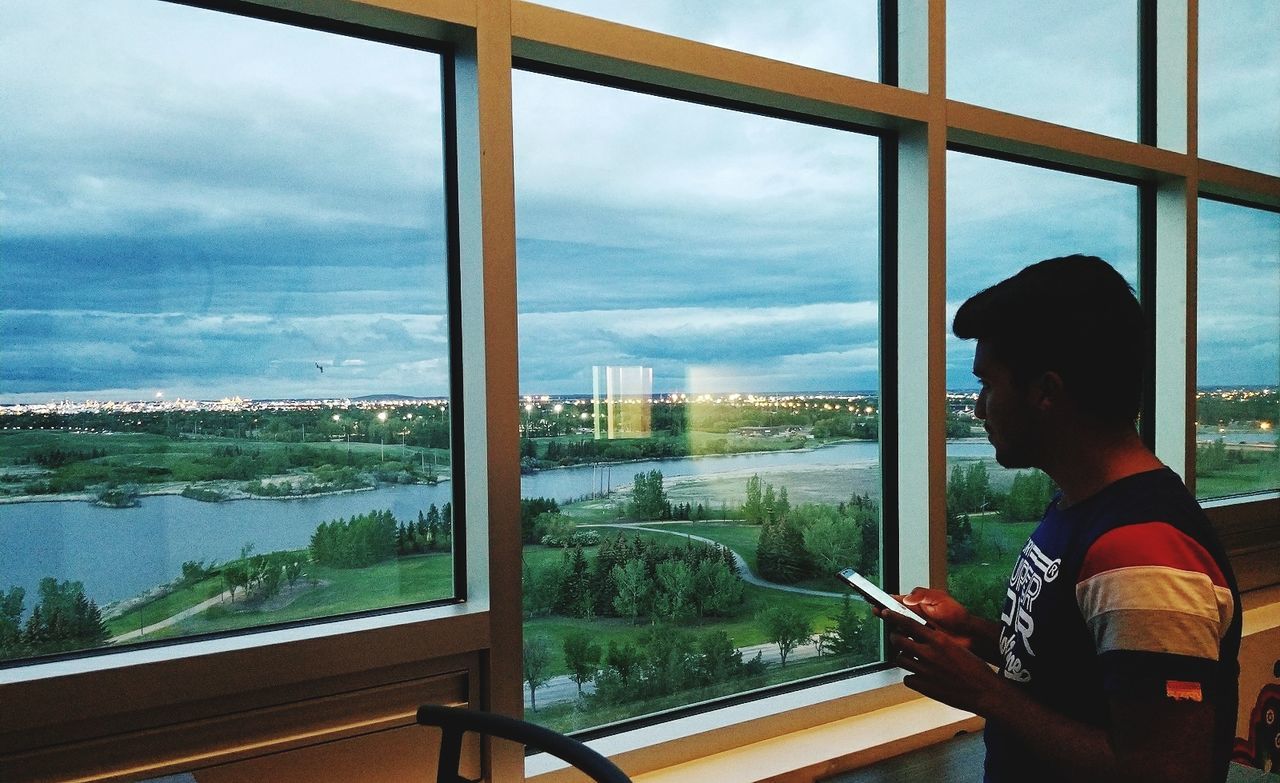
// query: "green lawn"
[[335, 591], [585, 713], [164, 606], [1238, 479]]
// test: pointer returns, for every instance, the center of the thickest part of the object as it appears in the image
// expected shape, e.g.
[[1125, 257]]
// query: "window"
[[1239, 84], [1237, 350], [224, 383], [267, 226], [1067, 63], [1002, 216], [699, 366]]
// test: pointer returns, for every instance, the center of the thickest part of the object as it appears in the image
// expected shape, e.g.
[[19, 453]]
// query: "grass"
[[164, 606], [588, 712], [335, 591], [1241, 478]]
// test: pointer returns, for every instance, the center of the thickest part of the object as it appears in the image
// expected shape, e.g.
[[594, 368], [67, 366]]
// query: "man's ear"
[[1049, 390]]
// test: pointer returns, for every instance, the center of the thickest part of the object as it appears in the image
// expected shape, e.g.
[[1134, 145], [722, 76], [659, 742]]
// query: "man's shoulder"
[[1153, 544]]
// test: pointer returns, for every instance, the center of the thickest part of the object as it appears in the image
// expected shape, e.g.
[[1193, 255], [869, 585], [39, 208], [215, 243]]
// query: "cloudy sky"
[[197, 205]]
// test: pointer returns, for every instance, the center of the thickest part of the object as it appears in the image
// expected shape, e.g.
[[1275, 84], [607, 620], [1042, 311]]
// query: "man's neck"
[[1088, 460]]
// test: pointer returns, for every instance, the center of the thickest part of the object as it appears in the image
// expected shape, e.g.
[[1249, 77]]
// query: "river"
[[119, 553]]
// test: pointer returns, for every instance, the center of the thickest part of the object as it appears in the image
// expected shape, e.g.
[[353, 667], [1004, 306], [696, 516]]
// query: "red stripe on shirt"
[[1149, 544]]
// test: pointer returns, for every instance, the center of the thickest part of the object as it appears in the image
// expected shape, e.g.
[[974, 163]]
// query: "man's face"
[[1007, 411]]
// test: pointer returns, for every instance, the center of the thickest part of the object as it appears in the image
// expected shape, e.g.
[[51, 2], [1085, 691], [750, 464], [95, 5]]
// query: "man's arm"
[[1152, 739]]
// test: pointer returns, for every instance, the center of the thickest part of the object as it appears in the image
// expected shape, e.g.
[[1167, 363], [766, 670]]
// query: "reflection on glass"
[[1237, 350], [841, 36], [1069, 63], [716, 273], [1239, 86], [224, 313], [1001, 217]]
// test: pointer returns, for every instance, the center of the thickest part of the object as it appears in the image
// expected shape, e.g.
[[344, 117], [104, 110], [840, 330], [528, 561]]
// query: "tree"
[[716, 589], [432, 529], [783, 506], [236, 576], [846, 636], [831, 539], [780, 552], [786, 627], [770, 504], [633, 585], [719, 659], [674, 595], [11, 619], [64, 619], [648, 497], [537, 666], [582, 656], [624, 660], [753, 509]]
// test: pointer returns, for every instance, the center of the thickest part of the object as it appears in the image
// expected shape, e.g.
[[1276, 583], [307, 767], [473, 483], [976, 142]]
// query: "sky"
[[196, 205]]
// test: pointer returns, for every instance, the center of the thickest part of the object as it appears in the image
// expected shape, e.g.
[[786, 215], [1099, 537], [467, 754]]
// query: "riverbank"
[[227, 491]]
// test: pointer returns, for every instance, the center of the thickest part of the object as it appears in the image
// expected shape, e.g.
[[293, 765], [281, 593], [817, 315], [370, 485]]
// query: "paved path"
[[168, 621], [743, 570]]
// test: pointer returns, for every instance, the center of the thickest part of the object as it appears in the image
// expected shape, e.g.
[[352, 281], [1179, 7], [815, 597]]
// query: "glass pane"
[[1237, 350], [1001, 217], [1069, 63], [1240, 83], [841, 36], [223, 304], [699, 364]]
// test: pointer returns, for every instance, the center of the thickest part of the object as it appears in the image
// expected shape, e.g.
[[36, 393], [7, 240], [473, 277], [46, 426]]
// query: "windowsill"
[[866, 717], [179, 650]]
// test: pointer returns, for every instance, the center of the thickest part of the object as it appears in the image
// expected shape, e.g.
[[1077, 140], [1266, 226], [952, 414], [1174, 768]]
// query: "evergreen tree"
[[11, 620], [753, 508]]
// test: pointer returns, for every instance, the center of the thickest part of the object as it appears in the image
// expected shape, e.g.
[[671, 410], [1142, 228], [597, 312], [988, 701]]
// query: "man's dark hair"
[[1075, 316]]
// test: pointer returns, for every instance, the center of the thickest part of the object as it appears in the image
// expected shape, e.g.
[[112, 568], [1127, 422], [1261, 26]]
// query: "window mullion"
[[489, 357]]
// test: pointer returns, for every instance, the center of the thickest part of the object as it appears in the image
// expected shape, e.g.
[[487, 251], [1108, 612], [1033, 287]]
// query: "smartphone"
[[875, 596]]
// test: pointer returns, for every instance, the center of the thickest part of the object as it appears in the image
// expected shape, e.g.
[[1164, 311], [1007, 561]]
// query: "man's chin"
[[1007, 460]]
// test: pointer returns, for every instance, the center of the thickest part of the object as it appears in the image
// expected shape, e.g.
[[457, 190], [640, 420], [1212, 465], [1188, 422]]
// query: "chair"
[[453, 722]]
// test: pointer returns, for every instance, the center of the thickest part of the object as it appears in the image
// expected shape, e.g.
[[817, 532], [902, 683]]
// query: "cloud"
[[207, 357], [212, 205], [803, 347], [1053, 61]]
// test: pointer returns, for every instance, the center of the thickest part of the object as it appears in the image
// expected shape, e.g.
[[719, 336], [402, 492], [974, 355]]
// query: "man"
[[1116, 651]]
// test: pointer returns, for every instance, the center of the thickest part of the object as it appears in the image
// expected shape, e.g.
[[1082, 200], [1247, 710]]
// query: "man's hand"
[[939, 608], [942, 666], [944, 612]]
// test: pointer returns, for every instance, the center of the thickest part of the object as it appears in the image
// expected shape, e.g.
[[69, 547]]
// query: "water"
[[119, 553]]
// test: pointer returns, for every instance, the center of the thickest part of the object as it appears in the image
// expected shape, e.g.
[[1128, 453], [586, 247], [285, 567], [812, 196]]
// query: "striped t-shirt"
[[1127, 592]]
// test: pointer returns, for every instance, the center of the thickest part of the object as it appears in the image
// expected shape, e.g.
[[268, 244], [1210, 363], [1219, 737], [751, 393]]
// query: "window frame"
[[69, 705]]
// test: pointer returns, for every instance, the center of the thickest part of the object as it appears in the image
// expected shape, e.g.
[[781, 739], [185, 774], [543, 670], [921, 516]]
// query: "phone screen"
[[868, 590]]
